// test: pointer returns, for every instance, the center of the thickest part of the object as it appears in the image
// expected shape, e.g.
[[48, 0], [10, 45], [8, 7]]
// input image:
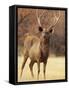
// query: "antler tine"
[[56, 19], [38, 17], [42, 13]]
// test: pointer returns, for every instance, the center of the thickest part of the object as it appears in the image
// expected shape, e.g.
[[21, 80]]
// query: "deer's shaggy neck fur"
[[44, 45]]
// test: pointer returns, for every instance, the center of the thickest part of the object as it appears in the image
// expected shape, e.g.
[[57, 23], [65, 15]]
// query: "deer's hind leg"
[[31, 67], [23, 64]]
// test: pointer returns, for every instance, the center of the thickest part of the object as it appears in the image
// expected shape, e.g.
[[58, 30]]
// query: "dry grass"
[[55, 69]]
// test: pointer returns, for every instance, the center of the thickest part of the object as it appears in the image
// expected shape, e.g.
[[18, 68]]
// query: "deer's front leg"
[[44, 69], [38, 63]]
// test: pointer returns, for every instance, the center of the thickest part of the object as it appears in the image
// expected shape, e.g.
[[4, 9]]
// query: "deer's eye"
[[40, 29]]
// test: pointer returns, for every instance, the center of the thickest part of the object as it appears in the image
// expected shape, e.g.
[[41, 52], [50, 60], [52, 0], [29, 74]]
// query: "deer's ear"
[[40, 29], [51, 31]]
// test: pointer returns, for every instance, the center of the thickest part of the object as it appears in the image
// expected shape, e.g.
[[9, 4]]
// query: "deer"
[[37, 48]]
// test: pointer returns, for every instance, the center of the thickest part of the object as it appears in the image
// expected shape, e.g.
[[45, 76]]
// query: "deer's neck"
[[44, 49], [45, 46], [45, 43]]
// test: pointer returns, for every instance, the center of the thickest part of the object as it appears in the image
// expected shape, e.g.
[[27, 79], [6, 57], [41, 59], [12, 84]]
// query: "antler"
[[56, 19], [38, 17]]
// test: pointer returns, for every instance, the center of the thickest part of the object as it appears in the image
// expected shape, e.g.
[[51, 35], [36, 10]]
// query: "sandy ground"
[[55, 69]]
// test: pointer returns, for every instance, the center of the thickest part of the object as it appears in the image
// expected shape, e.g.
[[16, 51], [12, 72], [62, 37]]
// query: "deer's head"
[[47, 32]]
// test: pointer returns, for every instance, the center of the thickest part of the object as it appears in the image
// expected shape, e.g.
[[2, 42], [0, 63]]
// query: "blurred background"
[[27, 22]]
